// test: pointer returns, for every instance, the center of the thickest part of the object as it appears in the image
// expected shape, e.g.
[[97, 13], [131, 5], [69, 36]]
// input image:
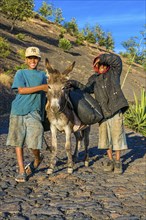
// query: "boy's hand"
[[45, 87], [96, 62], [70, 83]]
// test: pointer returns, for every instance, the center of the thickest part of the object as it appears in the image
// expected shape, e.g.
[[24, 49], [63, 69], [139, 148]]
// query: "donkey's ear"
[[69, 69], [46, 62], [49, 68]]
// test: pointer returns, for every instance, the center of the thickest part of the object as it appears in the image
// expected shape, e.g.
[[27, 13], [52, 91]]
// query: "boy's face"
[[32, 62], [102, 68]]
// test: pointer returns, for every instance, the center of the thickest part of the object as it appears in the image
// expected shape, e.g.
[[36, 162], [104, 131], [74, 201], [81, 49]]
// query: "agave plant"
[[135, 117]]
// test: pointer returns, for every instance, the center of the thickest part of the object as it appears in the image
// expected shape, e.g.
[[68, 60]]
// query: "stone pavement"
[[87, 194]]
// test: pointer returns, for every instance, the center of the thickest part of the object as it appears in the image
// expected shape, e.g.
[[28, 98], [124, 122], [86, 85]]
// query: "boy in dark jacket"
[[105, 84]]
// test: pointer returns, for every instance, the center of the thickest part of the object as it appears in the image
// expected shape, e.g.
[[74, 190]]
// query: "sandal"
[[21, 178], [30, 168]]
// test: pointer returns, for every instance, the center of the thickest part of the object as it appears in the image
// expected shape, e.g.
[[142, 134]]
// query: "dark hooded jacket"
[[106, 87]]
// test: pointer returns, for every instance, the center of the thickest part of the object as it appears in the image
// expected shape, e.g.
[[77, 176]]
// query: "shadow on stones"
[[137, 146], [4, 124], [93, 152], [73, 53]]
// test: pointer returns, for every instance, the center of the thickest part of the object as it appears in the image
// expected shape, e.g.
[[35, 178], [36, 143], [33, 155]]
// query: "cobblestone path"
[[87, 194]]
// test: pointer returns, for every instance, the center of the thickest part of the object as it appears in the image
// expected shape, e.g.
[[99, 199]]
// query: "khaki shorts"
[[112, 134], [27, 130]]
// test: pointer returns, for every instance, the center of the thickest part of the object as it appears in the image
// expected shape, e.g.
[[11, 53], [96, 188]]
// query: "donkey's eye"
[[49, 87], [63, 88]]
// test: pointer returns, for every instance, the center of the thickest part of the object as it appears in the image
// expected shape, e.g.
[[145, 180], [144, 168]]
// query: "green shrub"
[[4, 48], [8, 72], [135, 117], [65, 44], [21, 53], [62, 32], [80, 39], [20, 36], [6, 80], [22, 66]]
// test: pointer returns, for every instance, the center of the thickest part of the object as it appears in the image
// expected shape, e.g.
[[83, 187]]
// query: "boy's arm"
[[30, 90], [78, 85], [112, 60], [75, 84], [19, 85]]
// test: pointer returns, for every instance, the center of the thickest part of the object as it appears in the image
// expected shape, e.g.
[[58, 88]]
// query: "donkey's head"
[[56, 86]]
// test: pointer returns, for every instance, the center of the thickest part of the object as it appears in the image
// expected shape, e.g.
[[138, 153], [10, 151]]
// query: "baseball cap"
[[32, 51]]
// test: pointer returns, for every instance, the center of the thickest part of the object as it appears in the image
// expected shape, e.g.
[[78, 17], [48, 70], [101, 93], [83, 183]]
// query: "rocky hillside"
[[45, 36]]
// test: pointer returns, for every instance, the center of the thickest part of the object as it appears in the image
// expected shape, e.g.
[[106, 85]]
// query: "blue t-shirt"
[[23, 104]]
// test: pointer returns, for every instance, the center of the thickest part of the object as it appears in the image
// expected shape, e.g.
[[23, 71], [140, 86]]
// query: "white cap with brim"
[[32, 51]]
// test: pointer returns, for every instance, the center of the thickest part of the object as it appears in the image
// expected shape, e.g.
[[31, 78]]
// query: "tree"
[[46, 10], [135, 52], [58, 16], [135, 49], [80, 38], [89, 34], [109, 43], [90, 37], [99, 35], [17, 10], [130, 45], [71, 27]]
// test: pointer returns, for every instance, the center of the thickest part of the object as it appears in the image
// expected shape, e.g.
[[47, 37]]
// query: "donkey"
[[60, 115]]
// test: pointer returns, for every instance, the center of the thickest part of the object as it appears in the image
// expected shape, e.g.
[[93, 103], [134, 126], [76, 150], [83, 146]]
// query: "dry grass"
[[6, 80]]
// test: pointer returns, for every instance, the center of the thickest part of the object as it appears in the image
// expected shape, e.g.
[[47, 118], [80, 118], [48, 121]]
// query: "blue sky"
[[124, 19]]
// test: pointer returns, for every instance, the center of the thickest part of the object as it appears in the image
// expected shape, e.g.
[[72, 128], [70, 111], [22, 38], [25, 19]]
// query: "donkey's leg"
[[68, 150], [78, 138], [86, 145], [54, 150]]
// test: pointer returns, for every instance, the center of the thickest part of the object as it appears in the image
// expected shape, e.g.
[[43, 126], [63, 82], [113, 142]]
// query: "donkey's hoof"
[[49, 171], [86, 163], [70, 170]]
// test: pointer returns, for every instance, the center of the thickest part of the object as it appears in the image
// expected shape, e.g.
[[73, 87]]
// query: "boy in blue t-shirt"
[[27, 111]]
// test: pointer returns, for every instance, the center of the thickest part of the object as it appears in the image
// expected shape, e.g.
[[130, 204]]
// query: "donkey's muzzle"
[[55, 109]]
